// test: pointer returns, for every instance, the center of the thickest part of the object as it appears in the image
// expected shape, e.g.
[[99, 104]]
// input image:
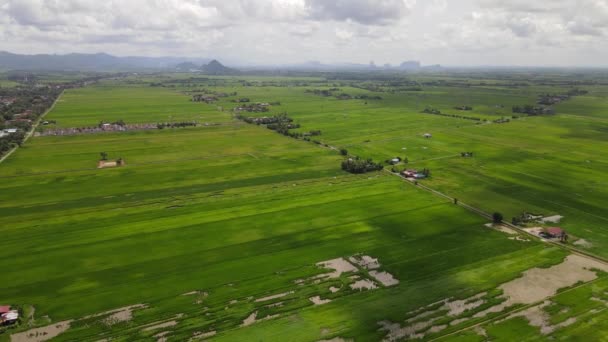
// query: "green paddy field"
[[219, 231]]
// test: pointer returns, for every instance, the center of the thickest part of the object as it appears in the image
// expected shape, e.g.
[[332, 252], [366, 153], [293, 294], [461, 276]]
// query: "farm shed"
[[428, 135]]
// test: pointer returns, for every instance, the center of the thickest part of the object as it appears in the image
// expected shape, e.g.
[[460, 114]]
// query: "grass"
[[85, 107], [241, 212]]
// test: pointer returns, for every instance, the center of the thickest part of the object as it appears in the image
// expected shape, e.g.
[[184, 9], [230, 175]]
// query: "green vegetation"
[[229, 212]]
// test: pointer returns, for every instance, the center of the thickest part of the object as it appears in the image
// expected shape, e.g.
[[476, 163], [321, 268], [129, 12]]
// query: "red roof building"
[[555, 231], [4, 309]]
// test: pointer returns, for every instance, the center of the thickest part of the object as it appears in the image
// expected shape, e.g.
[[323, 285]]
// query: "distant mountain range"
[[212, 68], [408, 66], [90, 62], [106, 62]]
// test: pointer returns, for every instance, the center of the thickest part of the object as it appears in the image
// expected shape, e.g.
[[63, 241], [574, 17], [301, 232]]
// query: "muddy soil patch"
[[42, 334]]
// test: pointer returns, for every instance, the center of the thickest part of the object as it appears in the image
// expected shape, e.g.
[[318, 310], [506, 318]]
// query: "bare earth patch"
[[333, 289], [385, 278], [418, 326], [339, 266], [363, 284], [253, 318], [250, 319], [537, 284], [552, 219], [120, 315], [203, 335], [365, 261], [161, 325], [534, 231], [263, 299], [537, 317], [583, 243], [318, 301], [162, 336], [519, 238], [41, 334], [506, 230]]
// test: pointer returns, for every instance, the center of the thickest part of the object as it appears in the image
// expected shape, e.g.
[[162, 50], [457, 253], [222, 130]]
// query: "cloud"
[[375, 12], [287, 31], [584, 28]]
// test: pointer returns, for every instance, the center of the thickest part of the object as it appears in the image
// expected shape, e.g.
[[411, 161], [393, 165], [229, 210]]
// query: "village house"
[[410, 173], [8, 131], [8, 316], [555, 232], [428, 135]]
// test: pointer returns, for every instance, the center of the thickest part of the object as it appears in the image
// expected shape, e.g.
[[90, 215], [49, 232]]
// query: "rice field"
[[233, 232]]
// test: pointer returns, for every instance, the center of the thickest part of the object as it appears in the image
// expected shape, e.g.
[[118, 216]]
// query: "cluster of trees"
[[551, 99], [176, 124], [497, 217], [525, 217], [434, 111], [577, 92], [345, 96], [533, 110], [322, 92], [358, 165], [426, 172], [204, 98], [342, 96], [266, 120], [501, 120], [254, 108], [9, 141], [242, 100], [21, 106], [25, 103], [429, 110]]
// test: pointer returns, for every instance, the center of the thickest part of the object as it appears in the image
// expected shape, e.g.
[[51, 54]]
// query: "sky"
[[265, 32]]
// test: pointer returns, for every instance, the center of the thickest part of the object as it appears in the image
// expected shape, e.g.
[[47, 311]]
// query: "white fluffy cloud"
[[286, 31]]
